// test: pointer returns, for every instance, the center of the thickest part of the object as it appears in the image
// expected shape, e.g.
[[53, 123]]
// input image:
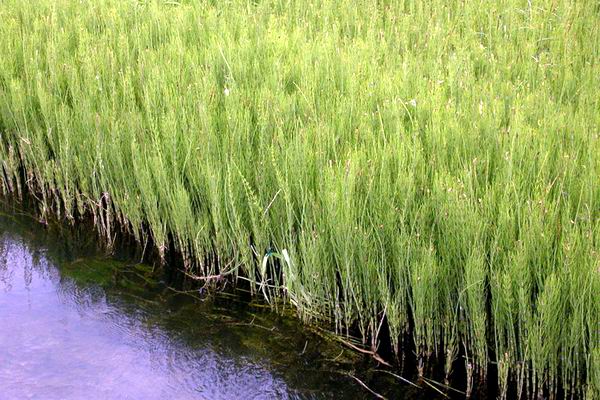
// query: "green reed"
[[431, 164]]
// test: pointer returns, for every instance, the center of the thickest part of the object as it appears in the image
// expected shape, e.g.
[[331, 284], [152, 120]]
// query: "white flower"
[[226, 92], [413, 102]]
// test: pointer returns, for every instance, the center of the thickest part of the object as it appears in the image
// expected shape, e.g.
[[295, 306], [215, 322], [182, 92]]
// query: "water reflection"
[[76, 324], [61, 340]]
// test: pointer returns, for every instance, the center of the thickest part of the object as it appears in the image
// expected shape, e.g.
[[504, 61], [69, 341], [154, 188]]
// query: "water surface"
[[75, 323]]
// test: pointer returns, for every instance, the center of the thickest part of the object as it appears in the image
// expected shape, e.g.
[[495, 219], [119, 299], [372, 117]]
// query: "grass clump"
[[431, 164]]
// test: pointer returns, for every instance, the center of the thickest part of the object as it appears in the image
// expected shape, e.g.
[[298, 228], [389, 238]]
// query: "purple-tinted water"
[[57, 342], [76, 324]]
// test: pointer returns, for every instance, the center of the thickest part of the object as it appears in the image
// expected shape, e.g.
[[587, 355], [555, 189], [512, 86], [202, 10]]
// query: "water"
[[77, 324]]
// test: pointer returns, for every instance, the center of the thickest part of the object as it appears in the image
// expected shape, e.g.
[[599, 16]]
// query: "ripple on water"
[[63, 340]]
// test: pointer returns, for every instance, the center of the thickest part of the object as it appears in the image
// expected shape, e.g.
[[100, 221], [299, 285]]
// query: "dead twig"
[[251, 323], [436, 389], [207, 278], [444, 386], [399, 377], [373, 354], [339, 355], [186, 292], [361, 383], [304, 350]]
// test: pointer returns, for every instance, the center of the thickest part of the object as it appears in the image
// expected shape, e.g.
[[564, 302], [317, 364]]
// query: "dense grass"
[[432, 163]]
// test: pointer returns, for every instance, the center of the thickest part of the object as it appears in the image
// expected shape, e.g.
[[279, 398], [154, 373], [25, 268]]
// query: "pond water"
[[76, 323]]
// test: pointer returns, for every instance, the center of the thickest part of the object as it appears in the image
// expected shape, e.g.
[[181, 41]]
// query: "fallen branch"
[[399, 377], [444, 386], [372, 353], [207, 278], [366, 387], [436, 389], [251, 323], [190, 293]]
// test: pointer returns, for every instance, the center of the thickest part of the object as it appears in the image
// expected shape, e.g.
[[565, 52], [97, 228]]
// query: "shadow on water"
[[76, 323]]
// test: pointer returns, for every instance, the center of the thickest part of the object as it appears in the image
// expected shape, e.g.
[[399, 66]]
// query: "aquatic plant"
[[430, 167]]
